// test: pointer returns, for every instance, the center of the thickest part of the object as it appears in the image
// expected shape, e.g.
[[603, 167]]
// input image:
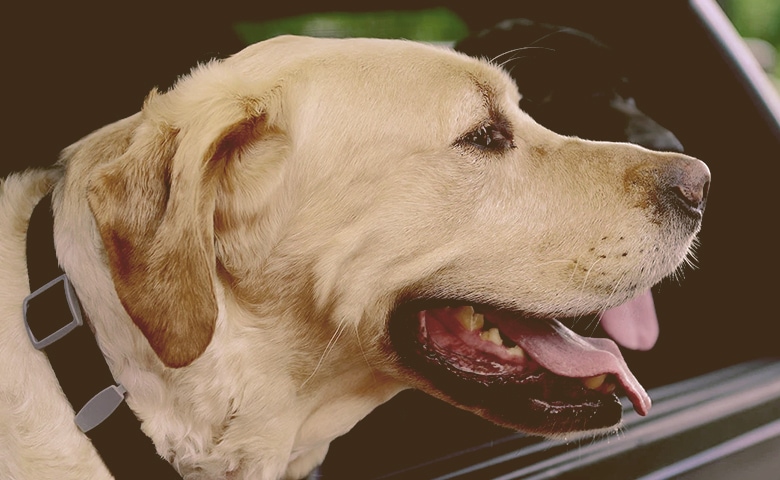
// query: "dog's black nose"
[[687, 183]]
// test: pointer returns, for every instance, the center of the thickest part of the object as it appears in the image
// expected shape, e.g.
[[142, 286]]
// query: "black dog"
[[571, 83]]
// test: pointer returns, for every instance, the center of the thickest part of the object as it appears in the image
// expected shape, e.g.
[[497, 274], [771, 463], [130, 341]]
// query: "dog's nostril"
[[692, 187], [691, 198]]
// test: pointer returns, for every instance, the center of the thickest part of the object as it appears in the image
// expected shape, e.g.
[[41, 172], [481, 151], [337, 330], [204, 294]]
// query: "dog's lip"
[[561, 351], [556, 360]]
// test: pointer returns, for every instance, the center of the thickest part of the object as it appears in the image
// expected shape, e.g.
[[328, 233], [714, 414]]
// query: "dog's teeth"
[[516, 351], [492, 335], [593, 383], [608, 388], [471, 321], [478, 321]]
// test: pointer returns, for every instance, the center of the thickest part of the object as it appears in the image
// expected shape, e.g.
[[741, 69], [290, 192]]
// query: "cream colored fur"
[[273, 207]]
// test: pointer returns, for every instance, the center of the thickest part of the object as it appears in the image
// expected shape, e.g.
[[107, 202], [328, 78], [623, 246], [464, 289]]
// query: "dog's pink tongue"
[[634, 324], [567, 354]]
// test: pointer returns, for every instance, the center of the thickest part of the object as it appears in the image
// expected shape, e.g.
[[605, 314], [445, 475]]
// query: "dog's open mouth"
[[529, 373]]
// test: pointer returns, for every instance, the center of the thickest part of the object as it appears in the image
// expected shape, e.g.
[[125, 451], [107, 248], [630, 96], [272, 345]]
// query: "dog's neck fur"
[[213, 419]]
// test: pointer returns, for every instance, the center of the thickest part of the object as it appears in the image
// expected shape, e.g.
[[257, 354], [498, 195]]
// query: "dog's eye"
[[489, 137]]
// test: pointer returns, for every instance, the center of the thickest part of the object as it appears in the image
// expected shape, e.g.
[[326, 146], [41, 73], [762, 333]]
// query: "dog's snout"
[[688, 183], [671, 183]]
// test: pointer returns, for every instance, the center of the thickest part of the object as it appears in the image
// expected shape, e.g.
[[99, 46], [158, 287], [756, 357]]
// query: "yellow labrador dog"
[[291, 236]]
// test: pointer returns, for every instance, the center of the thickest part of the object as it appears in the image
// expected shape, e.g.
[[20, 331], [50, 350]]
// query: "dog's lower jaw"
[[295, 431], [335, 413], [289, 447]]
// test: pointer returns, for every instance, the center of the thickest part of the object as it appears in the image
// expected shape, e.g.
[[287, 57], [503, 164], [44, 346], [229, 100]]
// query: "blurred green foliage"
[[756, 19], [433, 25]]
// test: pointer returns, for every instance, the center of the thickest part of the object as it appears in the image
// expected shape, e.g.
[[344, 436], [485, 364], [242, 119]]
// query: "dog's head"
[[385, 207]]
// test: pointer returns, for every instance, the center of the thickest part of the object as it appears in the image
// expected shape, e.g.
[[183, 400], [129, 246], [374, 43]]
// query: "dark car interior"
[[714, 374]]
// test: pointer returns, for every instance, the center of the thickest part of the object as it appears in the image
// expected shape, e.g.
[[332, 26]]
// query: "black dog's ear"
[[154, 209]]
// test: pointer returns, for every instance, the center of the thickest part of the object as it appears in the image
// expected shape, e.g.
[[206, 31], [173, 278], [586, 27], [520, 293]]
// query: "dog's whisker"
[[328, 348], [611, 295], [551, 262], [527, 47], [363, 352], [508, 52], [571, 277], [690, 261], [576, 320], [514, 59], [593, 324], [519, 49], [596, 319], [545, 37], [511, 60], [587, 274]]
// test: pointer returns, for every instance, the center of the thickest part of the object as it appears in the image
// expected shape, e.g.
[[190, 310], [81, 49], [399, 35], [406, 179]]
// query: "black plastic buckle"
[[73, 306]]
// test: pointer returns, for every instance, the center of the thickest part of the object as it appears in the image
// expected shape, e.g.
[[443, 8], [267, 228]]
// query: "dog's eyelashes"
[[489, 137]]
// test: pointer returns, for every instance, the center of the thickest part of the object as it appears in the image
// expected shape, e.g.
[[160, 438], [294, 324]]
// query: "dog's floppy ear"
[[154, 209]]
